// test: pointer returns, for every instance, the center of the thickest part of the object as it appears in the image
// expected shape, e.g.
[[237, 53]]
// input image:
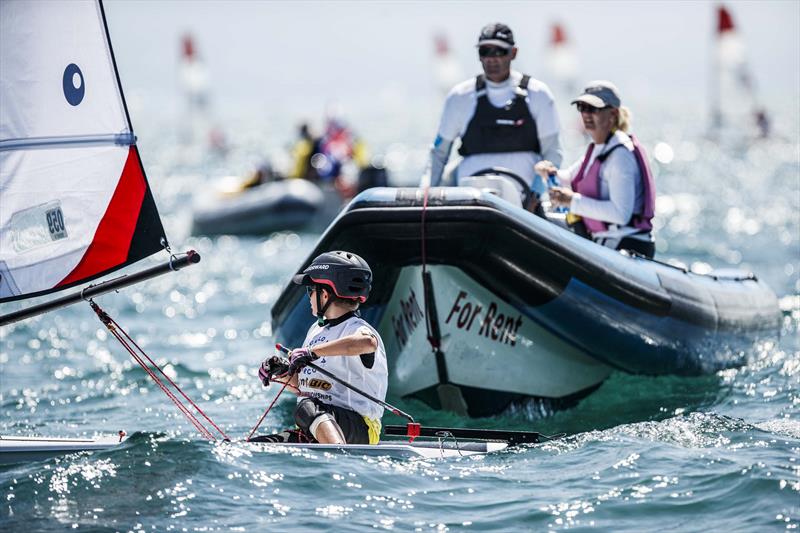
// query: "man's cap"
[[496, 34], [600, 93]]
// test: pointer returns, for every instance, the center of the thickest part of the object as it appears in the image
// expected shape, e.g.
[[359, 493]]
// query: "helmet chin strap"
[[321, 320]]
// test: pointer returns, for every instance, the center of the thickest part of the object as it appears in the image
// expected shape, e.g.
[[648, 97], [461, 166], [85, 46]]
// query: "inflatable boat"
[[482, 304], [290, 204]]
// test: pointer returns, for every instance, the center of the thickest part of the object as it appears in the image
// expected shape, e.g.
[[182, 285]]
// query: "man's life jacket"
[[587, 183], [510, 128]]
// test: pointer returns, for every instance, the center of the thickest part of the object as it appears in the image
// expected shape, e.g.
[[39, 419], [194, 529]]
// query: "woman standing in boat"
[[611, 188], [344, 344]]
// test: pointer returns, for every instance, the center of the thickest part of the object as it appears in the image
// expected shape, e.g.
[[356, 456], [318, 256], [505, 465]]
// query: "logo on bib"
[[320, 384]]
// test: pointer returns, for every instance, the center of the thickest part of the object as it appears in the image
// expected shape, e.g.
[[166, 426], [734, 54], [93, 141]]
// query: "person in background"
[[341, 156], [264, 173], [341, 342], [304, 149], [504, 118], [373, 174], [611, 188]]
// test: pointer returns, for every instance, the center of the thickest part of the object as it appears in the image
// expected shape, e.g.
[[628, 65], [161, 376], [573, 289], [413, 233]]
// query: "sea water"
[[717, 452]]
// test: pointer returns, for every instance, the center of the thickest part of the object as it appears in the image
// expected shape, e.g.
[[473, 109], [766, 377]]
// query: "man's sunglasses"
[[493, 51], [586, 108]]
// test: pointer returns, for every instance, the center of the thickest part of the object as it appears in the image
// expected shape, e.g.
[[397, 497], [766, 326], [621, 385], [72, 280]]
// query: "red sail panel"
[[112, 240], [557, 35], [724, 20]]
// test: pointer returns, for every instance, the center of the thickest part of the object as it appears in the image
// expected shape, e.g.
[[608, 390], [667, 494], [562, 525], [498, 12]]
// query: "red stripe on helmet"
[[329, 283]]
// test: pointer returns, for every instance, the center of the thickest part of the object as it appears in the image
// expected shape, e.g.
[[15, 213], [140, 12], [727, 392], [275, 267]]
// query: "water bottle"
[[553, 182]]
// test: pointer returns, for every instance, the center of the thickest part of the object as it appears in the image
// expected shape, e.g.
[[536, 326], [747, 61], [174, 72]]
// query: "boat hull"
[[572, 311], [392, 448], [277, 206], [493, 352], [29, 449]]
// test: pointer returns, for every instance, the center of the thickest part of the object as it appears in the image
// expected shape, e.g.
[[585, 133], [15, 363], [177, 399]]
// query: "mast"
[[102, 9]]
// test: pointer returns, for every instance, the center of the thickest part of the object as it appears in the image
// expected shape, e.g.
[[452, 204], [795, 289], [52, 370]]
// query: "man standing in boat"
[[342, 343], [504, 118]]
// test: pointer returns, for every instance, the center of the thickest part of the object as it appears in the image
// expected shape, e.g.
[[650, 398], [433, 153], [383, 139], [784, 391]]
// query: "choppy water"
[[716, 452]]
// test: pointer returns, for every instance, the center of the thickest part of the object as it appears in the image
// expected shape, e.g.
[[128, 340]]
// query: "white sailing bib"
[[350, 369]]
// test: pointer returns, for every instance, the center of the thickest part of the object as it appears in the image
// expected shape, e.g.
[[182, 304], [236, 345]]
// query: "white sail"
[[562, 62], [74, 201], [448, 69], [194, 75], [735, 105]]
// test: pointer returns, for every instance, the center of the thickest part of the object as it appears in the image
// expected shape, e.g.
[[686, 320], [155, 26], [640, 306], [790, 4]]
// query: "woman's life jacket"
[[587, 183]]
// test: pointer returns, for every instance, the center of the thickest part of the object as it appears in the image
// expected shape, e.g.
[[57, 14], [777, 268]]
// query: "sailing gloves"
[[271, 368], [299, 358], [278, 367]]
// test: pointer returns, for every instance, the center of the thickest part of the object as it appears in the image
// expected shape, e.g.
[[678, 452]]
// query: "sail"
[[74, 200], [735, 103], [562, 62], [194, 81], [448, 70]]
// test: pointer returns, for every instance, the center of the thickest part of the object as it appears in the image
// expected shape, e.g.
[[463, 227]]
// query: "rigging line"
[[171, 395], [185, 410], [424, 266], [118, 331], [195, 422], [443, 435], [181, 407], [422, 225], [193, 404], [250, 436]]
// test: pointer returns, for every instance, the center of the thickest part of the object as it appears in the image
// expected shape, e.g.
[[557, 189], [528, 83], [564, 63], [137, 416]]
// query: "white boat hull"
[[486, 343], [393, 448], [28, 449]]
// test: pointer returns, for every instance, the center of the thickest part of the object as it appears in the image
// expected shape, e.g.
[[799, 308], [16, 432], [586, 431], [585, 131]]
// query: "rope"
[[250, 436], [193, 404], [129, 344], [433, 342], [422, 225], [443, 435]]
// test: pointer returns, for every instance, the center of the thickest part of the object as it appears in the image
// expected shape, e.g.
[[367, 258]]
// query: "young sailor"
[[344, 344], [611, 188]]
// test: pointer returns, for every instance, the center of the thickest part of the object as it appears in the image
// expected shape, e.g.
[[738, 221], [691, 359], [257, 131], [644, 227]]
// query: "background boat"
[[288, 204]]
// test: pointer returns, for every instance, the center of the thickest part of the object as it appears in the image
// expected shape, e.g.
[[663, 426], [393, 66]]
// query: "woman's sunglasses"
[[493, 51], [586, 108]]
